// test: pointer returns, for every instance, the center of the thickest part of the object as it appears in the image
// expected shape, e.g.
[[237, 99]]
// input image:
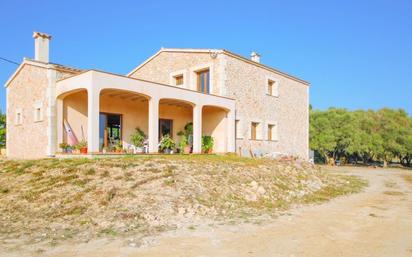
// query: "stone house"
[[247, 107]]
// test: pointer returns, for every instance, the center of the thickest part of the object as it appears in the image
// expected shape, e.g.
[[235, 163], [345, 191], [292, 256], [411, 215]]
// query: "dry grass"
[[395, 193], [81, 199], [407, 178]]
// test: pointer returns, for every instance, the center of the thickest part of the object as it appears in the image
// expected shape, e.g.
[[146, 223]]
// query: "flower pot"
[[187, 149], [138, 150], [83, 150], [210, 151], [168, 151]]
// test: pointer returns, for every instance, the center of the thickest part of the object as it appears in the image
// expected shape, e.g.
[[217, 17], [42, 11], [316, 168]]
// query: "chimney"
[[255, 57], [41, 46]]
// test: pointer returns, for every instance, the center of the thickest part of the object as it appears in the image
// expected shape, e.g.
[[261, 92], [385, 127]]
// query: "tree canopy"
[[340, 134]]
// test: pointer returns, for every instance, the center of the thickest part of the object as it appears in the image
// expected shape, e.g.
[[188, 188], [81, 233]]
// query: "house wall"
[[214, 124], [27, 90], [289, 111], [247, 83], [162, 68]]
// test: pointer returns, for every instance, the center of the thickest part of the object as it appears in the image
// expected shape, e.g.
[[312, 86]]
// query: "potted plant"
[[167, 144], [138, 138], [184, 146], [119, 147], [65, 147], [82, 147], [207, 144]]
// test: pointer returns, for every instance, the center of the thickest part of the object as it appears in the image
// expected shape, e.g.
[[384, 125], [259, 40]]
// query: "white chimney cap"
[[41, 46], [255, 57]]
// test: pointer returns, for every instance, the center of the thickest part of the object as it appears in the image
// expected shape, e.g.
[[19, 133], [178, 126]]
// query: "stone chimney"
[[41, 46], [255, 57]]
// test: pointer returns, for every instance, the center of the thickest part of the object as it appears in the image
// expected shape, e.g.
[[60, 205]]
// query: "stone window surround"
[[275, 133], [38, 106], [177, 73], [19, 117], [193, 76], [259, 130], [239, 127], [275, 89]]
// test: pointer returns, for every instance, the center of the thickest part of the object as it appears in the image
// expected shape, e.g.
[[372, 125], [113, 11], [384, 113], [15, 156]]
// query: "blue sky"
[[356, 54]]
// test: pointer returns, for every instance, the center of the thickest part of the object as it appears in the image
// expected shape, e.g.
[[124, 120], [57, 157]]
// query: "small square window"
[[238, 129], [254, 130], [38, 114], [272, 87], [19, 117], [272, 132], [179, 80]]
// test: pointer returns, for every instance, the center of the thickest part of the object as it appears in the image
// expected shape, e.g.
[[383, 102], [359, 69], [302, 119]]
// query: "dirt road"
[[376, 222]]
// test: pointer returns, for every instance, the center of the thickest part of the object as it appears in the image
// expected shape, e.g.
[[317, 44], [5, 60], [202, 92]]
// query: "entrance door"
[[110, 130], [165, 128]]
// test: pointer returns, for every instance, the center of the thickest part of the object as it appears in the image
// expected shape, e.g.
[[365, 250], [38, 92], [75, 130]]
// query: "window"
[[272, 87], [253, 130], [238, 129], [38, 115], [272, 132], [19, 117], [203, 81], [179, 80]]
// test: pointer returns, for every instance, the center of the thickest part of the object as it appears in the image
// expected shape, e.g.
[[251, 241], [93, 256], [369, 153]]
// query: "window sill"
[[256, 139], [37, 121], [273, 140], [275, 96]]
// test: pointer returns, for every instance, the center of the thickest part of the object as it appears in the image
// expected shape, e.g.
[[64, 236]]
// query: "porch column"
[[153, 125], [93, 109], [231, 137], [59, 122], [197, 128]]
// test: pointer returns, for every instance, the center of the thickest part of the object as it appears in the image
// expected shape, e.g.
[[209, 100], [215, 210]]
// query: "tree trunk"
[[385, 163]]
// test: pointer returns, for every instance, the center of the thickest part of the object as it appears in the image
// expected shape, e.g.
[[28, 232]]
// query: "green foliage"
[[382, 135], [185, 136], [167, 143], [2, 130], [138, 137], [207, 143]]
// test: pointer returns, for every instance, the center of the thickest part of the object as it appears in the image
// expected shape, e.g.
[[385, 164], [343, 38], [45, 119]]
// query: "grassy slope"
[[50, 200]]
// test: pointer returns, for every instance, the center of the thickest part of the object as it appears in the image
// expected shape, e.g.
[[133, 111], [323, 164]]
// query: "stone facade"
[[247, 82], [27, 94]]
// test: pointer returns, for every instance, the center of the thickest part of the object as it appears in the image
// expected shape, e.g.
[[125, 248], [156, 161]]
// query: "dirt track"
[[377, 222]]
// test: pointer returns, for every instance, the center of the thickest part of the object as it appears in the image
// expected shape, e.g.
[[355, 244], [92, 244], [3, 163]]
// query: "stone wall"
[[26, 92], [247, 83]]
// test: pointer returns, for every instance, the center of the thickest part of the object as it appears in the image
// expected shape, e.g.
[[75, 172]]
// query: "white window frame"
[[193, 76], [38, 112], [173, 76], [19, 117], [275, 88]]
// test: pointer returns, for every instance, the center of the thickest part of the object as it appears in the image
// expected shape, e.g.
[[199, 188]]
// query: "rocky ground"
[[50, 202]]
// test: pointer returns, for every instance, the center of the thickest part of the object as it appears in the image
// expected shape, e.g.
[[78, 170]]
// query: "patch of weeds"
[[350, 185], [4, 190], [75, 210], [191, 227], [109, 231], [407, 178], [111, 194], [90, 172], [128, 176], [390, 184], [393, 193], [105, 174], [169, 182], [80, 182]]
